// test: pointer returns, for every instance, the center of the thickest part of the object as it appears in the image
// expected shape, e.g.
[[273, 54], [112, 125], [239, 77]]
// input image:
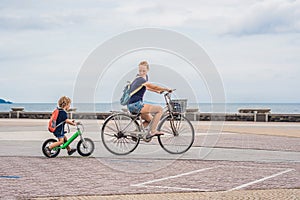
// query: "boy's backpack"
[[52, 122], [127, 94]]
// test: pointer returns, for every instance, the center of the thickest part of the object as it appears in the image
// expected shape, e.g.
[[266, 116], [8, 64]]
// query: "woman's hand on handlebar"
[[167, 91]]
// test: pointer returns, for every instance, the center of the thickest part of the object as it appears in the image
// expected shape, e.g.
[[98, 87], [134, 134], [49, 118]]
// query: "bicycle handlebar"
[[80, 126], [168, 92]]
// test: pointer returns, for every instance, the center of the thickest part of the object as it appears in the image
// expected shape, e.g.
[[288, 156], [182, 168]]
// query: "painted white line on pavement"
[[260, 180], [251, 167], [263, 125], [171, 177], [215, 133], [174, 188]]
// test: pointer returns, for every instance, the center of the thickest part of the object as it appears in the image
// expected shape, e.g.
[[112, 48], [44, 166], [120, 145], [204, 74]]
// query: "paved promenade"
[[245, 160]]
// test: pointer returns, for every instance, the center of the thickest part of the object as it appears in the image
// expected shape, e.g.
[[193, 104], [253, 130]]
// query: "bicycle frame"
[[168, 110], [134, 119], [70, 140], [122, 132]]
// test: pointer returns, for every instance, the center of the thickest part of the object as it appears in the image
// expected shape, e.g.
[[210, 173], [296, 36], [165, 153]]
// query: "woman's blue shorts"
[[135, 108]]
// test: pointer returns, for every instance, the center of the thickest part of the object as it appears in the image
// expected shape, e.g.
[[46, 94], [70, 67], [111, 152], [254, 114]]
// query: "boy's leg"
[[60, 142], [70, 151], [56, 144], [65, 140]]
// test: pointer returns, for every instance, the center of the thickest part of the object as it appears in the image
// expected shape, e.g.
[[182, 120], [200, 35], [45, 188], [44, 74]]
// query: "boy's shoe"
[[71, 151], [48, 151]]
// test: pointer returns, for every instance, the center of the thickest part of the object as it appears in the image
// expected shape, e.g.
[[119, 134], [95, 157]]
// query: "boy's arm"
[[71, 122]]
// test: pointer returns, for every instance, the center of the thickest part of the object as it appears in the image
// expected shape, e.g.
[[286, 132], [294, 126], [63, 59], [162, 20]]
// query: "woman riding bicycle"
[[136, 105]]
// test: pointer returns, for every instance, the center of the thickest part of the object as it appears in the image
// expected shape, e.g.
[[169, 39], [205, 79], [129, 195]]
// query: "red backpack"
[[52, 122]]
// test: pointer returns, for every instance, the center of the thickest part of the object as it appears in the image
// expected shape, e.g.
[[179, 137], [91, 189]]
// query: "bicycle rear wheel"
[[178, 135], [54, 152], [119, 134]]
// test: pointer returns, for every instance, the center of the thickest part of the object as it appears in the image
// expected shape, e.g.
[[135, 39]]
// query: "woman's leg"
[[146, 115]]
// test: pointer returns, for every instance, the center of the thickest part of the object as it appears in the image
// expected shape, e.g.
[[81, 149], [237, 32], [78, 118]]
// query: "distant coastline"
[[2, 101], [279, 108]]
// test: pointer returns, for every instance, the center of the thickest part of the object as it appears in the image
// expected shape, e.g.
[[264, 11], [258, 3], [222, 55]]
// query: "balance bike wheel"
[[85, 148], [47, 143]]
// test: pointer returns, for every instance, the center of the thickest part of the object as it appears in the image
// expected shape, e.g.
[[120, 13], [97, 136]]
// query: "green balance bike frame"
[[85, 146]]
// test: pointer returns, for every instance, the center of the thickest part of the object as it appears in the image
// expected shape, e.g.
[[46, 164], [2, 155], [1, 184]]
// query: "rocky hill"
[[3, 101]]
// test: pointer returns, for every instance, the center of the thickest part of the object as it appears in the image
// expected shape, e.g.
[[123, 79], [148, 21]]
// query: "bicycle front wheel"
[[86, 147], [119, 134], [178, 135]]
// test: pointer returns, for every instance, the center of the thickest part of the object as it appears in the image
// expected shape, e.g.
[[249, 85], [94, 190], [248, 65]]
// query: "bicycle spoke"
[[111, 134], [127, 127], [126, 143], [167, 129], [115, 122], [112, 129]]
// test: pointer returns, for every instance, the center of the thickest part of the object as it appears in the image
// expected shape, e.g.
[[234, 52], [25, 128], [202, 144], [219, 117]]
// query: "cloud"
[[230, 17], [154, 13], [28, 20], [39, 38], [55, 14], [267, 17]]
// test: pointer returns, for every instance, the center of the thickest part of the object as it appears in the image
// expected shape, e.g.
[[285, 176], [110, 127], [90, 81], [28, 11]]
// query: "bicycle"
[[121, 132], [85, 146]]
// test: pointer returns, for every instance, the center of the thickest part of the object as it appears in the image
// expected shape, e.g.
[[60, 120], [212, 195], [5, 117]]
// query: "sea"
[[284, 108]]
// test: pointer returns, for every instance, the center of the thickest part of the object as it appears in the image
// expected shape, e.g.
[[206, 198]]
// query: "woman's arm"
[[155, 88]]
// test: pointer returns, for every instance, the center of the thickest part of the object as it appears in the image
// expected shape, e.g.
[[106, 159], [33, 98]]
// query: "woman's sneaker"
[[157, 133], [71, 151]]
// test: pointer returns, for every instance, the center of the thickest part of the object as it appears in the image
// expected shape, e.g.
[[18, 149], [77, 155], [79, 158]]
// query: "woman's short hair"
[[144, 63], [63, 101]]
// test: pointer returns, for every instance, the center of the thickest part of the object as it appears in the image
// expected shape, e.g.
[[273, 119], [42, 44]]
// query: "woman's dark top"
[[138, 96]]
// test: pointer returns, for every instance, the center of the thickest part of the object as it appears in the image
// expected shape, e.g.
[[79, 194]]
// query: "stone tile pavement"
[[275, 194], [32, 177]]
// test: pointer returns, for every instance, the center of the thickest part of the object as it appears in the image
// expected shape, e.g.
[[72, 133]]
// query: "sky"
[[254, 44]]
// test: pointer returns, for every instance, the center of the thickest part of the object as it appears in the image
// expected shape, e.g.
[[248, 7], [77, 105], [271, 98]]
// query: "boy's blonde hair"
[[63, 101], [144, 63]]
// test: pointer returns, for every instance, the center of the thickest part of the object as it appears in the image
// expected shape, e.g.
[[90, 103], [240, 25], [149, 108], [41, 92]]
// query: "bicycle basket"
[[179, 105]]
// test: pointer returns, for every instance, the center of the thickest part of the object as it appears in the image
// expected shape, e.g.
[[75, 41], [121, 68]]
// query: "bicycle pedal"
[[147, 140]]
